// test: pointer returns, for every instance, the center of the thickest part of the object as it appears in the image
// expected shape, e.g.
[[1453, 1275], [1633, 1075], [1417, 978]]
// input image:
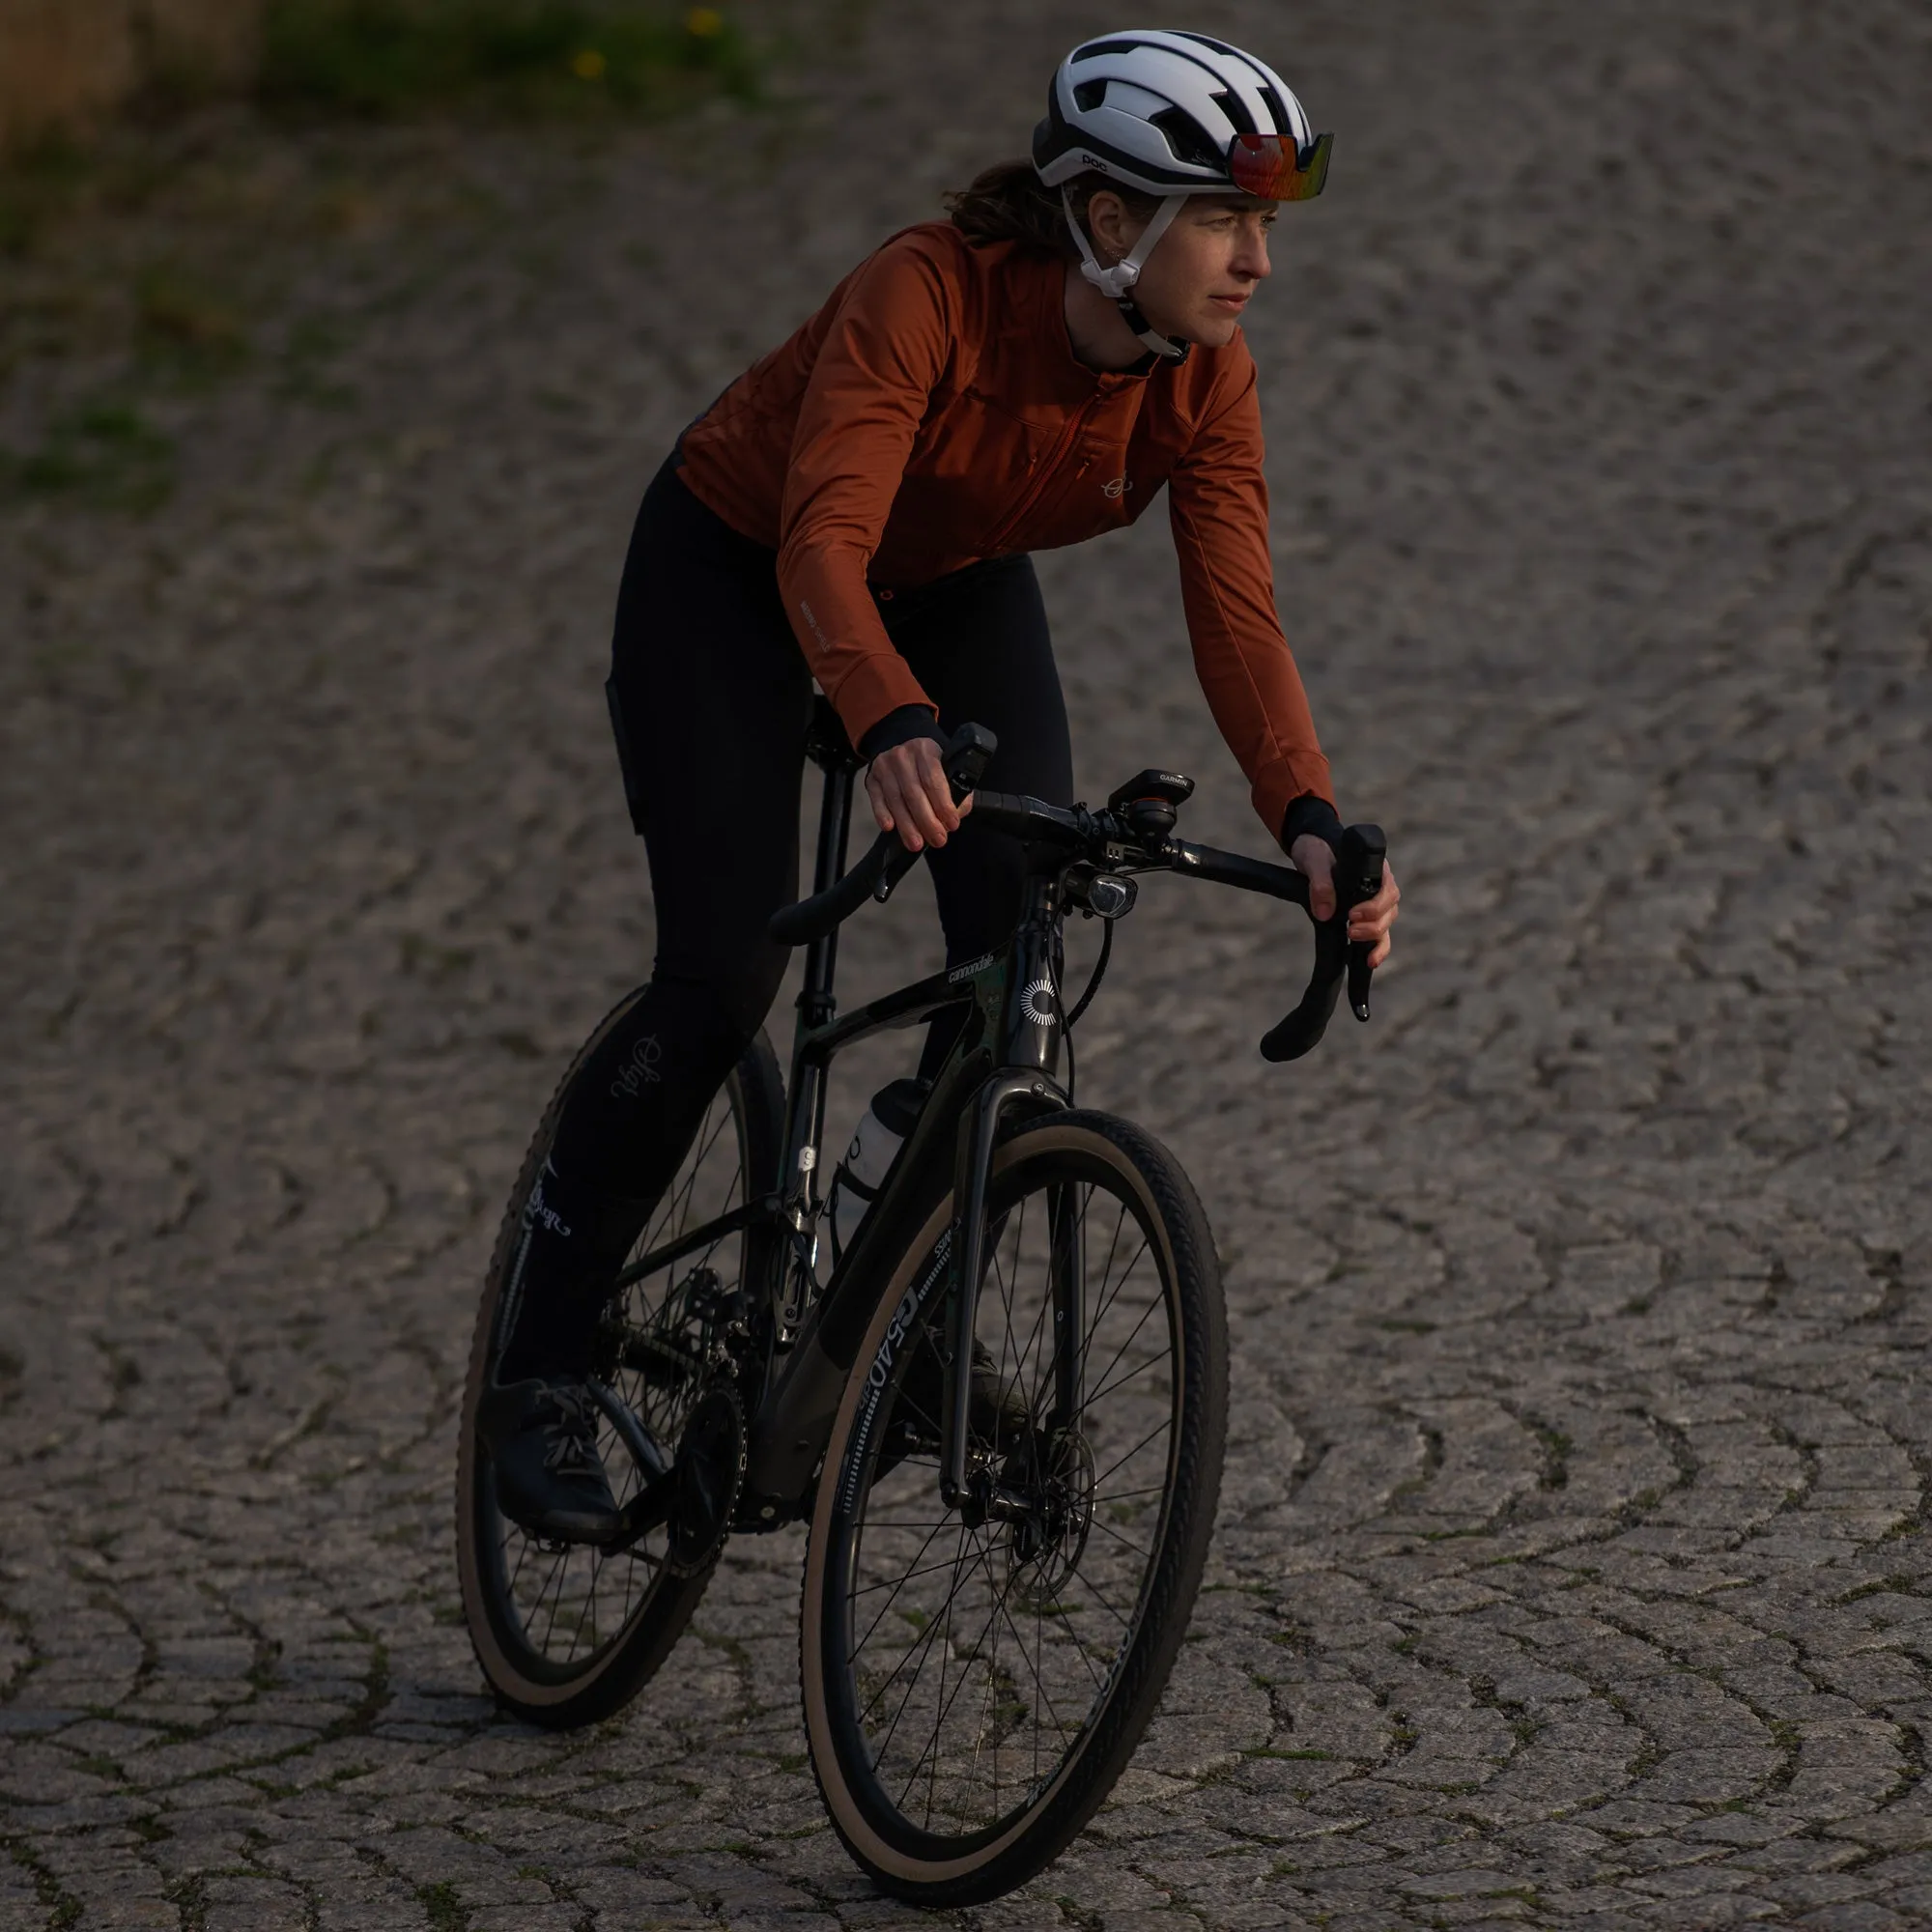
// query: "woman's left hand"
[[1369, 921]]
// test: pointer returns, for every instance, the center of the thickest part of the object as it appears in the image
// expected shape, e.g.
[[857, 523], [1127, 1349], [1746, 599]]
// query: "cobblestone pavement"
[[1570, 1567]]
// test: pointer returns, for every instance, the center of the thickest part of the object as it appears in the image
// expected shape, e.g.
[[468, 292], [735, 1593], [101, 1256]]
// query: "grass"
[[103, 453], [389, 59], [444, 1909], [154, 261]]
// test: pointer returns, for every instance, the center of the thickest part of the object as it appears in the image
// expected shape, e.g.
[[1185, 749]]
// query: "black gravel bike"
[[1002, 1411]]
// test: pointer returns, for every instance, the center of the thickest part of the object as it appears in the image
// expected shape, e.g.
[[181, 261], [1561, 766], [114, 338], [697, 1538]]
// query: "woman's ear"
[[1114, 230]]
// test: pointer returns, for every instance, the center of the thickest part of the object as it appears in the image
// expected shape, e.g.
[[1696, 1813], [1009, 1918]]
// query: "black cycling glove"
[[1310, 813], [902, 727]]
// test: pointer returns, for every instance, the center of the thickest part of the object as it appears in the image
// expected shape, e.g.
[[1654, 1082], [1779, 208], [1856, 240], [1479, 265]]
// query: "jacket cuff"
[[900, 728], [879, 684], [1311, 812]]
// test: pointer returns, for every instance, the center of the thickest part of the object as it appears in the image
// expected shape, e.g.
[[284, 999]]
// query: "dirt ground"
[[1572, 1565]]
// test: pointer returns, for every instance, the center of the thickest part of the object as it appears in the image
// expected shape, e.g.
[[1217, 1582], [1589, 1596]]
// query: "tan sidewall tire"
[[629, 1663], [1054, 1135]]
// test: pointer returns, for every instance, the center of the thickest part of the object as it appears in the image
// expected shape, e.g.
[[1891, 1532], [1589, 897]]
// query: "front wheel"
[[975, 1680]]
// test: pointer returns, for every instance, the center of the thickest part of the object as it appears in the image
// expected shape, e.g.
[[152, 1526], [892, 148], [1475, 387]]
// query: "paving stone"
[[1568, 1566]]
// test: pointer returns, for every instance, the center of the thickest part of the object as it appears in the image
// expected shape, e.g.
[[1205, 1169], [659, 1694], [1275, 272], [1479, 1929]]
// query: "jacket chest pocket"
[[969, 437]]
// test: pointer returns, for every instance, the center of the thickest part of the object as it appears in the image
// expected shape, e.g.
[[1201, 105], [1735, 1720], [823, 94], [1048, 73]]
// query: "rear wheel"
[[975, 1680], [568, 1632]]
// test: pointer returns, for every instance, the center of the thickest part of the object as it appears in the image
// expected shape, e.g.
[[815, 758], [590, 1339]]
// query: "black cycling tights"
[[714, 700]]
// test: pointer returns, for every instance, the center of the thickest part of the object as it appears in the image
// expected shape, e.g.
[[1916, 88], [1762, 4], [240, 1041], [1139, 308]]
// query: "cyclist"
[[857, 509]]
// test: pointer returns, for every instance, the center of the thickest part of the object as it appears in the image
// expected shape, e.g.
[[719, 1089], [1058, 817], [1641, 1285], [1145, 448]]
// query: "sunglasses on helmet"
[[1272, 168]]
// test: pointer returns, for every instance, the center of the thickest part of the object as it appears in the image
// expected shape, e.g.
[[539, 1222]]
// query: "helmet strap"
[[1117, 281]]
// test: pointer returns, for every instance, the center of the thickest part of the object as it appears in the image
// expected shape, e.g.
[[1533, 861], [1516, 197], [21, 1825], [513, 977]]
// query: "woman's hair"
[[1008, 202]]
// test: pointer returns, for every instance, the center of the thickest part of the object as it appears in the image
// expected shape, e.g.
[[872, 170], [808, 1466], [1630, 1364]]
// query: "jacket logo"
[[1117, 486]]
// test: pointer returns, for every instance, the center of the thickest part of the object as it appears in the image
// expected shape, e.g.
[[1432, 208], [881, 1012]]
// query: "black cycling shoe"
[[996, 1412], [542, 1442]]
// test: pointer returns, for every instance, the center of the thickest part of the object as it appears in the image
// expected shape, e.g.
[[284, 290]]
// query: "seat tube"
[[816, 1008], [817, 1005], [821, 956]]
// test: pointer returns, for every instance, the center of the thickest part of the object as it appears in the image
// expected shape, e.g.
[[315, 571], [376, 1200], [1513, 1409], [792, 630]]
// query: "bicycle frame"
[[1006, 1056]]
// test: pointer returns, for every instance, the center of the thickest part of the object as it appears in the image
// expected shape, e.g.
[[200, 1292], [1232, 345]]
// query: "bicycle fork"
[[1032, 1053]]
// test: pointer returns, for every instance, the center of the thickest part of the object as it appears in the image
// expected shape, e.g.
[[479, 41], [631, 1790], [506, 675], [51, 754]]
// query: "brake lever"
[[964, 762], [886, 861], [1358, 876]]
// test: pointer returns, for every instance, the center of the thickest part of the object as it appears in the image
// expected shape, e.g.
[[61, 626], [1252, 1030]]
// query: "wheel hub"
[[1048, 1536]]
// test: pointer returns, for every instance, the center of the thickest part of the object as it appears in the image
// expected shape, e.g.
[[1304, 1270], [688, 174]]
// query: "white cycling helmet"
[[1172, 114]]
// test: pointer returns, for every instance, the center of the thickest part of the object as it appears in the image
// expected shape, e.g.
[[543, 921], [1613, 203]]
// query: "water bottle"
[[857, 1178]]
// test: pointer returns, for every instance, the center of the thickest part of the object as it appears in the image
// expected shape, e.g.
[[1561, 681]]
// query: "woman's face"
[[1202, 272]]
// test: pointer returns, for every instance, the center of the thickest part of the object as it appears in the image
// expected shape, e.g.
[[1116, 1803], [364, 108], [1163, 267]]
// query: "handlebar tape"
[[1358, 876], [887, 861]]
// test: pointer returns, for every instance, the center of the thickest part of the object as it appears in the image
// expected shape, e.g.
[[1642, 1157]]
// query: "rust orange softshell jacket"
[[932, 415]]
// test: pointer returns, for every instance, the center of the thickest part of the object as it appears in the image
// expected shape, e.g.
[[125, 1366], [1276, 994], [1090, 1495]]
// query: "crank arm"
[[648, 1510]]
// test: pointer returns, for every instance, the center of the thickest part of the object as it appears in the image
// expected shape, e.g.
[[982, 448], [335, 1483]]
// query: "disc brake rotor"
[[1044, 1547]]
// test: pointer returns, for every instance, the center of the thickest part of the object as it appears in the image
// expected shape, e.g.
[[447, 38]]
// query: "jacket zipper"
[[1075, 423]]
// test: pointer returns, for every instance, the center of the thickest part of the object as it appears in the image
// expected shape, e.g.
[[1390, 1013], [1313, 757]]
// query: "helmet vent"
[[1088, 94], [1184, 137], [1235, 109]]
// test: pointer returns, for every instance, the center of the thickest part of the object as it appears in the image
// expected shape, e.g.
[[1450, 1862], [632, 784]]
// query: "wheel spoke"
[[1088, 1401], [1022, 1630], [1107, 1529], [1121, 1381], [899, 1586], [925, 1645], [1163, 1423], [560, 1609]]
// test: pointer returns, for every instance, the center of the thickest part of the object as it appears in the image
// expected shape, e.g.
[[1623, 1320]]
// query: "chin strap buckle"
[[1116, 282]]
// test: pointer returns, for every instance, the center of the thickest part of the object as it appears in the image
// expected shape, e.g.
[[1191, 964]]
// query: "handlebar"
[[1111, 840], [886, 861]]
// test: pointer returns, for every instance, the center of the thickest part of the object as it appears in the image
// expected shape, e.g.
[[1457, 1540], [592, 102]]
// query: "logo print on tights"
[[1118, 487], [640, 1071], [538, 1212]]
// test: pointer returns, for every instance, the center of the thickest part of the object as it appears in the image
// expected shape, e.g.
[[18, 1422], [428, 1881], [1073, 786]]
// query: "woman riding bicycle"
[[857, 509]]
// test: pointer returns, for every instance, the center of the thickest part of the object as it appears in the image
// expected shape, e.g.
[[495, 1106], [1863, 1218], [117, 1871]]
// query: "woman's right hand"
[[910, 795]]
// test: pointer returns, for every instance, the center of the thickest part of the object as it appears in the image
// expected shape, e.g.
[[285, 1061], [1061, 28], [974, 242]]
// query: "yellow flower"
[[590, 65], [706, 22]]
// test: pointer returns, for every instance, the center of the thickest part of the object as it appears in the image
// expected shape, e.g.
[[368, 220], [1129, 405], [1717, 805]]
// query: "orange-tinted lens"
[[1272, 168]]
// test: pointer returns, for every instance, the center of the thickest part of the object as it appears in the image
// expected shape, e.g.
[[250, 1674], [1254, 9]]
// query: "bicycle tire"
[[903, 1853], [527, 1681]]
